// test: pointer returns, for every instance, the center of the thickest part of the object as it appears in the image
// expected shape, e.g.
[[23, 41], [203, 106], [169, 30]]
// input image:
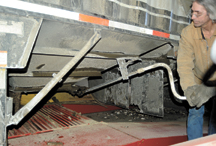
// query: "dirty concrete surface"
[[131, 115], [173, 111]]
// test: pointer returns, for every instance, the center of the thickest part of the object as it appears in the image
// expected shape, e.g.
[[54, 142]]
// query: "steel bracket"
[[124, 62]]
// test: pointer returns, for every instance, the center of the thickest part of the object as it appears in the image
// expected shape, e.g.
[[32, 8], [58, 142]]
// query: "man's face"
[[199, 14]]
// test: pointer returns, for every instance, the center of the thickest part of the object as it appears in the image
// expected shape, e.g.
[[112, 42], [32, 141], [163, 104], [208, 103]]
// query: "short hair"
[[210, 6]]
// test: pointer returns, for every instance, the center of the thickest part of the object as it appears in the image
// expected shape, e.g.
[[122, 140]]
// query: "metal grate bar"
[[46, 123], [55, 118], [46, 119], [34, 122], [32, 126], [62, 116], [42, 123], [69, 115]]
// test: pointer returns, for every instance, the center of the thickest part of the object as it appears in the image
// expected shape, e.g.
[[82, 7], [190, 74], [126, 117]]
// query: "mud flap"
[[145, 90]]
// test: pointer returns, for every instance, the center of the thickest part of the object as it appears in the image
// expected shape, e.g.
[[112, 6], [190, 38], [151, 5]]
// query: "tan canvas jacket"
[[193, 58]]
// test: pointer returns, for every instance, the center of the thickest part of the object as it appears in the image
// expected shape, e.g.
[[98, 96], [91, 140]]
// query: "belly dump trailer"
[[121, 51]]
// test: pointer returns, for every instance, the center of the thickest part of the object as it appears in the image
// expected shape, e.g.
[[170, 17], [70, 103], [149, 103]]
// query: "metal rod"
[[58, 77], [141, 70]]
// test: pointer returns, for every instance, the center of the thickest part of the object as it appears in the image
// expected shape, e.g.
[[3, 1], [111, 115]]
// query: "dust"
[[132, 115]]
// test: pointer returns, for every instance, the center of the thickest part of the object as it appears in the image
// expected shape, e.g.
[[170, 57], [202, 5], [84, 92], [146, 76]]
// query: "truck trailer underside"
[[121, 51]]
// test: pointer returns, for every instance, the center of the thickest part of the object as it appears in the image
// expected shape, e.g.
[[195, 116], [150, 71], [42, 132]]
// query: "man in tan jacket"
[[193, 61]]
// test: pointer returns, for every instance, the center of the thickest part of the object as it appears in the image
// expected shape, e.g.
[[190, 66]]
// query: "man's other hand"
[[197, 95]]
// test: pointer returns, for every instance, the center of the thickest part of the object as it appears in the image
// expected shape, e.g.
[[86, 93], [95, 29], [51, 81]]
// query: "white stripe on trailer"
[[130, 27], [21, 5], [174, 37], [31, 7]]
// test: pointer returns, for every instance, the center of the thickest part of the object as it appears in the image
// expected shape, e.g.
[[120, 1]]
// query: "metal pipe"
[[172, 85], [141, 70], [58, 77]]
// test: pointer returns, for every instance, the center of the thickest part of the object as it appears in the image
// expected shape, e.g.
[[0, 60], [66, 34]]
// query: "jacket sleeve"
[[185, 60]]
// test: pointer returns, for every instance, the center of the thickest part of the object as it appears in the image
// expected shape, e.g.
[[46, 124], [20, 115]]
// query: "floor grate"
[[47, 119]]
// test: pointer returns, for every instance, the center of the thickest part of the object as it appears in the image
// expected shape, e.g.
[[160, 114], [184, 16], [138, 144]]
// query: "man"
[[193, 61]]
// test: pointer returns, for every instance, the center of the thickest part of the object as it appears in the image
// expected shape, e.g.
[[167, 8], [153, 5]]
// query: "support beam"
[[6, 104]]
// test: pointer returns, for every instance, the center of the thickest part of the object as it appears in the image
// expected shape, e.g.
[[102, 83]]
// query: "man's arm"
[[185, 61]]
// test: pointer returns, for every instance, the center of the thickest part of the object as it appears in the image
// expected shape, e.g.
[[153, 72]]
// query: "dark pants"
[[212, 121], [195, 121]]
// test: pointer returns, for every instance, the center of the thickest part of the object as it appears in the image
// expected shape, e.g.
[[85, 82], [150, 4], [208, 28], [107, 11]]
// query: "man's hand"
[[197, 95], [191, 98]]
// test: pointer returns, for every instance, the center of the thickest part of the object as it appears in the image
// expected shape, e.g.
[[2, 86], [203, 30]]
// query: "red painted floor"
[[85, 109], [92, 133]]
